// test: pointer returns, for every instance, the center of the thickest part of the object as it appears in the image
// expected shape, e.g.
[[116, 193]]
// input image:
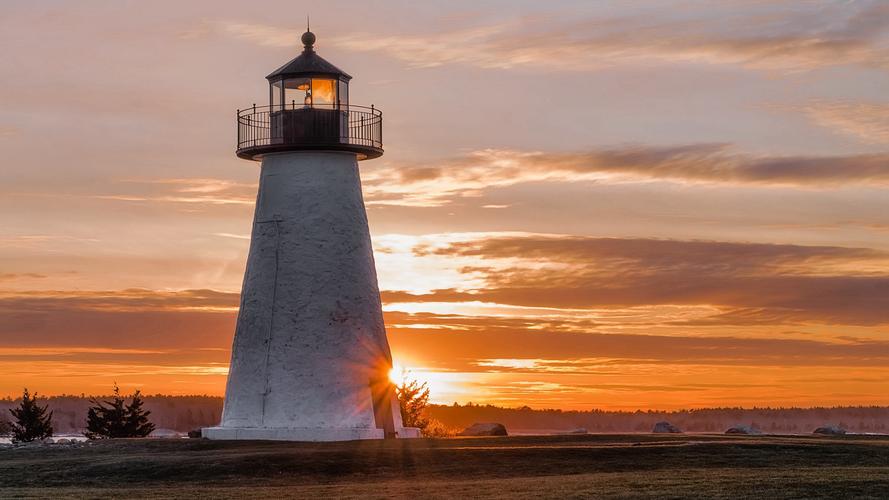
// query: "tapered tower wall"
[[310, 358]]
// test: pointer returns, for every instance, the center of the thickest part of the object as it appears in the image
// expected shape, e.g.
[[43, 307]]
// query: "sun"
[[396, 374]]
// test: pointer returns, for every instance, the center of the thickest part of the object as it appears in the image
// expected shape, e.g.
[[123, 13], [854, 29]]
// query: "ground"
[[621, 466]]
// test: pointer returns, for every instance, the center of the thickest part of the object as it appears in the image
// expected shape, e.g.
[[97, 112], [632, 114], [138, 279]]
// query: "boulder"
[[579, 430], [830, 430], [665, 428], [484, 429], [165, 433], [743, 429]]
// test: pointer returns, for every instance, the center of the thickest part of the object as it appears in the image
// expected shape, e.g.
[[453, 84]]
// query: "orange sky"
[[581, 205]]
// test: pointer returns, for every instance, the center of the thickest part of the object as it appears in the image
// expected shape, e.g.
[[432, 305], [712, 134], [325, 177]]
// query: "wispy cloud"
[[553, 351], [7, 131], [783, 40], [118, 319], [131, 300], [233, 236], [869, 122], [17, 276], [748, 283], [260, 34], [469, 175], [186, 190]]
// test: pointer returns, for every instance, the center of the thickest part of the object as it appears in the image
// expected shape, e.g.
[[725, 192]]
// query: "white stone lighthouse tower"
[[310, 359]]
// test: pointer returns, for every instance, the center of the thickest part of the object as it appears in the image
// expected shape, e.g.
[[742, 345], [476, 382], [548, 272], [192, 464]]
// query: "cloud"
[[595, 353], [658, 255], [470, 175], [122, 319], [191, 190], [131, 300], [233, 236], [69, 341], [190, 326], [784, 40], [869, 122], [748, 283], [18, 276], [7, 131], [260, 34]]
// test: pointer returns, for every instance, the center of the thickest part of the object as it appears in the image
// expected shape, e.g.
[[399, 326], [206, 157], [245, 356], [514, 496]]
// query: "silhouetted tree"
[[137, 424], [413, 398], [116, 419], [106, 419], [31, 421]]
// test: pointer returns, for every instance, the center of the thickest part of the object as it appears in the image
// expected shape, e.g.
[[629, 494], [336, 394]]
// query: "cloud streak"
[[867, 121], [469, 175], [193, 190], [784, 40], [750, 283], [443, 181], [145, 324]]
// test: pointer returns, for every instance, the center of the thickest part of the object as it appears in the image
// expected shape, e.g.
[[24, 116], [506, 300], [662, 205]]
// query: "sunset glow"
[[617, 205]]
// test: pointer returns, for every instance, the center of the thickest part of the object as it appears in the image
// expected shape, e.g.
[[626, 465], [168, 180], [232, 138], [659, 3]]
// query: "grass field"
[[671, 466]]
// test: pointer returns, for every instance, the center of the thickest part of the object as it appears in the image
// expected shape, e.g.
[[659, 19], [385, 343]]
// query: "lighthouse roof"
[[309, 63]]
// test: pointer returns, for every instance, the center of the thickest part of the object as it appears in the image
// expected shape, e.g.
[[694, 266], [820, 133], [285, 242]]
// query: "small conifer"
[[116, 419], [32, 423]]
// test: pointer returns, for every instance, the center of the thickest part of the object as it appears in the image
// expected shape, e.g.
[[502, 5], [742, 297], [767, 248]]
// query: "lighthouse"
[[310, 359]]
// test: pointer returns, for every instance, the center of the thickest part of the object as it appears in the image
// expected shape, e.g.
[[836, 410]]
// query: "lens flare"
[[396, 374]]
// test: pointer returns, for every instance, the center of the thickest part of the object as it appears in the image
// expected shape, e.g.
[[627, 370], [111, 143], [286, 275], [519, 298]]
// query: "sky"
[[613, 204]]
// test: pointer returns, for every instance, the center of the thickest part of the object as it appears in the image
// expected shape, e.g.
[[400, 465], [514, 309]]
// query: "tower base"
[[301, 434]]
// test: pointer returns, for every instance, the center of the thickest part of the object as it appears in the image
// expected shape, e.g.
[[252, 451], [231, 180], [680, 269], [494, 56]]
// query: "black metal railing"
[[279, 126]]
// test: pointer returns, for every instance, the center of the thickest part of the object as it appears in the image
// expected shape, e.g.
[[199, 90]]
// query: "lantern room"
[[308, 109], [308, 81]]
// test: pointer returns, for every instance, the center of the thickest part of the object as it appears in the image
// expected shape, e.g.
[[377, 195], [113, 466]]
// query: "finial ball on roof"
[[308, 38]]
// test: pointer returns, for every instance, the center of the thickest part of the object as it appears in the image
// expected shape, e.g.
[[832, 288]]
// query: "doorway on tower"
[[384, 400]]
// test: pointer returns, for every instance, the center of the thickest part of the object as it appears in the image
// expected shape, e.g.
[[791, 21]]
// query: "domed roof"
[[308, 63]]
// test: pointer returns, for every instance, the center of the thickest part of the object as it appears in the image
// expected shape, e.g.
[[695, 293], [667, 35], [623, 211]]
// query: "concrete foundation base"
[[300, 434], [409, 433], [305, 434]]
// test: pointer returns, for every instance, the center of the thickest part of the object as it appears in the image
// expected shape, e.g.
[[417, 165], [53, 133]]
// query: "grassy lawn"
[[545, 466]]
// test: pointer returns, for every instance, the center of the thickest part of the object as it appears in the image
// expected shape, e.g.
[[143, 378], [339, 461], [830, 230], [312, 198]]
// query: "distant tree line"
[[68, 414], [861, 419]]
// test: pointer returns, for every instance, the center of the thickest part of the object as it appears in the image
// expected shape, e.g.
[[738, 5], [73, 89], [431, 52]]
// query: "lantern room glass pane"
[[276, 94], [323, 92], [297, 93], [343, 93]]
